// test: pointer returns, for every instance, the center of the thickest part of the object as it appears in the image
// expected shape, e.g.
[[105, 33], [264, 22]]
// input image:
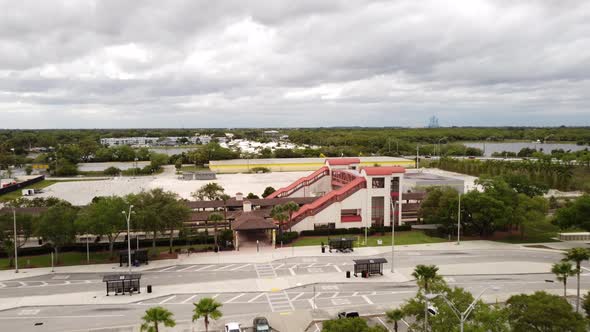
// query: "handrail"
[[300, 183], [341, 177], [326, 200]]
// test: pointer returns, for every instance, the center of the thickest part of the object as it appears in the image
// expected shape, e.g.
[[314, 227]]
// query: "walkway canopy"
[[252, 221]]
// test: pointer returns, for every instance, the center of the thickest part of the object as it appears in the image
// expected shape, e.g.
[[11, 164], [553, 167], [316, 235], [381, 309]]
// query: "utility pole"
[[15, 241]]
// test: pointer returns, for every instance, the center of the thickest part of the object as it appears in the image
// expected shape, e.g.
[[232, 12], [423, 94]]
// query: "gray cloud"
[[239, 63]]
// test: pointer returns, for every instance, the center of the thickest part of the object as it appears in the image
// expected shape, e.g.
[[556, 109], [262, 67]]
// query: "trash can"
[[149, 289], [348, 274], [323, 250]]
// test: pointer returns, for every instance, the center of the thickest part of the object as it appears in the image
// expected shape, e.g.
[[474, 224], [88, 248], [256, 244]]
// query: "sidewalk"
[[249, 255]]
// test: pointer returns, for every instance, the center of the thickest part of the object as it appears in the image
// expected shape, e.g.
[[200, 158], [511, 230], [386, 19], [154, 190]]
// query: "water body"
[[491, 147]]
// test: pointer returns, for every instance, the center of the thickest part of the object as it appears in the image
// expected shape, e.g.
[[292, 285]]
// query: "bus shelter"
[[122, 283], [341, 244], [139, 256], [368, 267]]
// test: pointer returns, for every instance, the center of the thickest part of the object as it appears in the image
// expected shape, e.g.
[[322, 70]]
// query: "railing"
[[341, 178], [302, 182], [330, 198]]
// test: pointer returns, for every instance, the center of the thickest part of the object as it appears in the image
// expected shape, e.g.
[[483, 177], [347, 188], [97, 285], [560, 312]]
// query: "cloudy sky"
[[89, 64]]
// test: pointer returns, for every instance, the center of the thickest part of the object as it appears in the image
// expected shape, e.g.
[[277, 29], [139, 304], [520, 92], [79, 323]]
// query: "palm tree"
[[563, 270], [207, 308], [154, 316], [215, 218], [577, 255], [291, 207], [278, 213], [224, 198], [425, 275], [394, 316]]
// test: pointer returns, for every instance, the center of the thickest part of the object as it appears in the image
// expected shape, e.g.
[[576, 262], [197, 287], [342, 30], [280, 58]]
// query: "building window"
[[395, 185], [378, 183], [330, 225]]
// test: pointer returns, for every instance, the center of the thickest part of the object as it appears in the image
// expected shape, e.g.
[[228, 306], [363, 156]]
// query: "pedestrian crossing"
[[279, 302], [295, 267], [265, 270]]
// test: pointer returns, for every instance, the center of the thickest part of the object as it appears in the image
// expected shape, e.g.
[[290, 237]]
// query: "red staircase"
[[302, 182], [341, 178], [328, 199]]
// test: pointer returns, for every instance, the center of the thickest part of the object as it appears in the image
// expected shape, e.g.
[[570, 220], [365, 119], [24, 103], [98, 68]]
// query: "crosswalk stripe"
[[367, 299], [189, 299], [168, 299], [168, 268], [224, 267], [239, 267], [186, 268], [255, 297], [202, 268], [235, 298]]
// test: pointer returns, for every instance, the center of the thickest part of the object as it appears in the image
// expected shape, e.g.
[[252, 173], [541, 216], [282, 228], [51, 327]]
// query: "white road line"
[[311, 303], [318, 294], [202, 268], [166, 300], [367, 299], [224, 267], [186, 268], [355, 293], [337, 268], [387, 327], [280, 266], [2, 285], [235, 298], [168, 268], [335, 294], [255, 298], [188, 299], [292, 271], [239, 267], [22, 284], [215, 296], [297, 296]]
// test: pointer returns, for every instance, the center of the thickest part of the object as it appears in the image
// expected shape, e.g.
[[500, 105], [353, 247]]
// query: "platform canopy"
[[252, 221]]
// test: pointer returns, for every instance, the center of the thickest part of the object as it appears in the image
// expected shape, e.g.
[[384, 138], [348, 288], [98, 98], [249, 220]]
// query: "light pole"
[[393, 234], [87, 250], [459, 221], [462, 316], [417, 156], [439, 152], [135, 168], [128, 217], [15, 240]]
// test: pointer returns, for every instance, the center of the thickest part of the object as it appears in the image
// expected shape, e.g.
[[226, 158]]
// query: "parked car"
[[233, 327], [261, 325], [350, 314]]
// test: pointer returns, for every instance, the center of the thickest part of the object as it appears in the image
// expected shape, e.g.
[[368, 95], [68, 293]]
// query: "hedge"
[[354, 230]]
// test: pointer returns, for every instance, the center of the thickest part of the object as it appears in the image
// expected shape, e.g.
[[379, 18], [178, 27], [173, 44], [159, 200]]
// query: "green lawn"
[[18, 193], [193, 168], [401, 238]]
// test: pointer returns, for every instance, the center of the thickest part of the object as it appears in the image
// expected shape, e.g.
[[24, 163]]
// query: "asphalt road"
[[327, 298]]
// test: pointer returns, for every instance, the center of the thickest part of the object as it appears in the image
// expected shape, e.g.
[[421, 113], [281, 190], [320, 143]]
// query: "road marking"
[[280, 266], [255, 297], [239, 267], [68, 317], [29, 312], [355, 294], [292, 271], [315, 270], [190, 298], [215, 296], [337, 268], [387, 327], [185, 268], [297, 296], [335, 295], [330, 287], [202, 268], [61, 277], [367, 299], [311, 303], [224, 267], [235, 298], [2, 285], [22, 284], [317, 294], [339, 302], [168, 268], [168, 299]]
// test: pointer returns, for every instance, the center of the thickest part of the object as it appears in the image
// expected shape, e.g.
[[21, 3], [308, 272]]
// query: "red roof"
[[343, 161], [383, 170]]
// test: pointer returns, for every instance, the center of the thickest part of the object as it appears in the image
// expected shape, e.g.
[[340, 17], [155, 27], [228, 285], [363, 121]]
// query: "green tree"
[[154, 317], [543, 312], [173, 213], [575, 215], [577, 255], [268, 191], [278, 213], [562, 271], [207, 308], [210, 191], [103, 217], [112, 171], [426, 275], [24, 230], [586, 304], [290, 208], [350, 325], [394, 316], [57, 225], [29, 169], [215, 218], [157, 160]]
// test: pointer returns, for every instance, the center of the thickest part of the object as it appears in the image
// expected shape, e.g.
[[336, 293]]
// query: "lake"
[[491, 147]]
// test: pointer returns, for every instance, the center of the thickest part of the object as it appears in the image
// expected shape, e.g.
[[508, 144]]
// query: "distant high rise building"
[[433, 123]]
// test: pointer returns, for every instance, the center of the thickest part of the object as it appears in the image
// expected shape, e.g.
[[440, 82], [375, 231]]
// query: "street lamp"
[[128, 218], [459, 221], [15, 240], [393, 232], [441, 139], [462, 316]]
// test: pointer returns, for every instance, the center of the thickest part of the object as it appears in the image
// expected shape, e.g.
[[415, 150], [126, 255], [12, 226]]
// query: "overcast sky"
[[90, 64]]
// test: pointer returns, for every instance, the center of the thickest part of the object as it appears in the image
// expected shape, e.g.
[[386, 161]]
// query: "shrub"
[[113, 171], [288, 237], [260, 170]]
